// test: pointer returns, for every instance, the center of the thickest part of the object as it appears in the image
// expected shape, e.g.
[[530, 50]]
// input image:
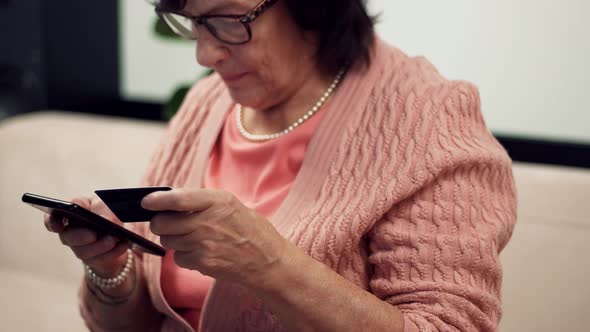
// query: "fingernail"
[[147, 200], [111, 239]]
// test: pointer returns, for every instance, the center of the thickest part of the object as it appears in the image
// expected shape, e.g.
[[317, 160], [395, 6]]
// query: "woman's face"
[[270, 68]]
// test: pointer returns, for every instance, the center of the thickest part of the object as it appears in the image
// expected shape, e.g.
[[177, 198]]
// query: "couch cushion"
[[37, 303], [546, 267]]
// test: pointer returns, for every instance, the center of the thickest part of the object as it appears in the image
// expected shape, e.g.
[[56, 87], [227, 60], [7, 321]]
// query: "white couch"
[[62, 155]]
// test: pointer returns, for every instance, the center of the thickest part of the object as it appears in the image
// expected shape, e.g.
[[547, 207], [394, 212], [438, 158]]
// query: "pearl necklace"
[[306, 116]]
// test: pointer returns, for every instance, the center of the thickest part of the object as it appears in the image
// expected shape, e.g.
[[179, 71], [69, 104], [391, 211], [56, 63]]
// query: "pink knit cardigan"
[[403, 191]]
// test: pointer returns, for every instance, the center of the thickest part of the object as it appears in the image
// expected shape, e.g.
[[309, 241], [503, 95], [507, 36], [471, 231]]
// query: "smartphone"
[[81, 217]]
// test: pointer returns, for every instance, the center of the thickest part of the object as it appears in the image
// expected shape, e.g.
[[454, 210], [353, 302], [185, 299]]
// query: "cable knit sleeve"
[[435, 253]]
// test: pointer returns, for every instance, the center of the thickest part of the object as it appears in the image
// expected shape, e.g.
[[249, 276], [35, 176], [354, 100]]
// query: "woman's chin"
[[246, 96]]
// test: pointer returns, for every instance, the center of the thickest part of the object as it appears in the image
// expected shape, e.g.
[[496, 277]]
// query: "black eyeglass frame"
[[245, 20]]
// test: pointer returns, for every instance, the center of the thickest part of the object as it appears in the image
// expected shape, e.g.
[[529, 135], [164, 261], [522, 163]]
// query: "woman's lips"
[[232, 78]]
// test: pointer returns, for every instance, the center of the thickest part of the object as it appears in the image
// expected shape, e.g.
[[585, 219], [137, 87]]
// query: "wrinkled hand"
[[214, 233], [103, 254]]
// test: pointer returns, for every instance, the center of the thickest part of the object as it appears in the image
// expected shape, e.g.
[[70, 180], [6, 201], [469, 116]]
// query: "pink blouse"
[[260, 174]]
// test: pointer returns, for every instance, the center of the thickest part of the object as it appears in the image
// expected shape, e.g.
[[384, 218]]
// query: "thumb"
[[83, 201]]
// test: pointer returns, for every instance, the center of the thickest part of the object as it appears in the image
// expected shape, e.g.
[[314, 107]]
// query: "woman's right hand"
[[104, 254]]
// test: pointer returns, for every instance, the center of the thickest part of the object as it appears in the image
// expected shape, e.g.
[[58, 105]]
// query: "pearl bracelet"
[[108, 283]]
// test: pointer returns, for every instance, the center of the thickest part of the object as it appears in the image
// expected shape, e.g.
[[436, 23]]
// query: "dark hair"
[[344, 29]]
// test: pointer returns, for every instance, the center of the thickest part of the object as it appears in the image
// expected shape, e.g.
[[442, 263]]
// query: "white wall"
[[530, 58], [151, 67]]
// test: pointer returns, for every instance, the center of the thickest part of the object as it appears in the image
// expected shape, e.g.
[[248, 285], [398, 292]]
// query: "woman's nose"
[[210, 51]]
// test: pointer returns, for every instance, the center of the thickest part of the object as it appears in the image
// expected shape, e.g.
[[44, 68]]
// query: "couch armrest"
[[546, 267]]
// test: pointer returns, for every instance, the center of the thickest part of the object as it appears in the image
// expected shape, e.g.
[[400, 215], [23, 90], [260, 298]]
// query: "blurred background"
[[86, 89]]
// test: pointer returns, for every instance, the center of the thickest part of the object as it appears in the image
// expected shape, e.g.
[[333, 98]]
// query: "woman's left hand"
[[214, 233]]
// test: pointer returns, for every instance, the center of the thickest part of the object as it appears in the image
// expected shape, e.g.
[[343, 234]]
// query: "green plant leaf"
[[173, 104], [162, 30]]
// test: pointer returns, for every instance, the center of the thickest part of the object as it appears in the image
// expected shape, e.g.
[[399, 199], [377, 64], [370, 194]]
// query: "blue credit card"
[[126, 202]]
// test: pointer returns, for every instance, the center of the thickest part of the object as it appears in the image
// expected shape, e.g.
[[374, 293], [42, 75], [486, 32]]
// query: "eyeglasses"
[[230, 29]]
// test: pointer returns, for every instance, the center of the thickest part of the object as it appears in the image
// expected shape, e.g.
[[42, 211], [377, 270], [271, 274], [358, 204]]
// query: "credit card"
[[126, 202]]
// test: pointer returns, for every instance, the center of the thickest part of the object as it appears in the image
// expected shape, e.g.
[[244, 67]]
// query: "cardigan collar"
[[348, 99], [344, 114]]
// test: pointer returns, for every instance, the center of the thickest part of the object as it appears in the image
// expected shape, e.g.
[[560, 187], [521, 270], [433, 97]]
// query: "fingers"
[[85, 243], [83, 201], [193, 206], [182, 199], [110, 255], [76, 237], [179, 223], [186, 242], [95, 249], [54, 223], [174, 223]]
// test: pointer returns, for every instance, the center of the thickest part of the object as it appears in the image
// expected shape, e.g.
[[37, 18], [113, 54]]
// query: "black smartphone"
[[81, 217]]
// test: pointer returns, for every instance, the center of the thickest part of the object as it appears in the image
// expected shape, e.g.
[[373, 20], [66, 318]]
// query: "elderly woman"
[[323, 181]]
